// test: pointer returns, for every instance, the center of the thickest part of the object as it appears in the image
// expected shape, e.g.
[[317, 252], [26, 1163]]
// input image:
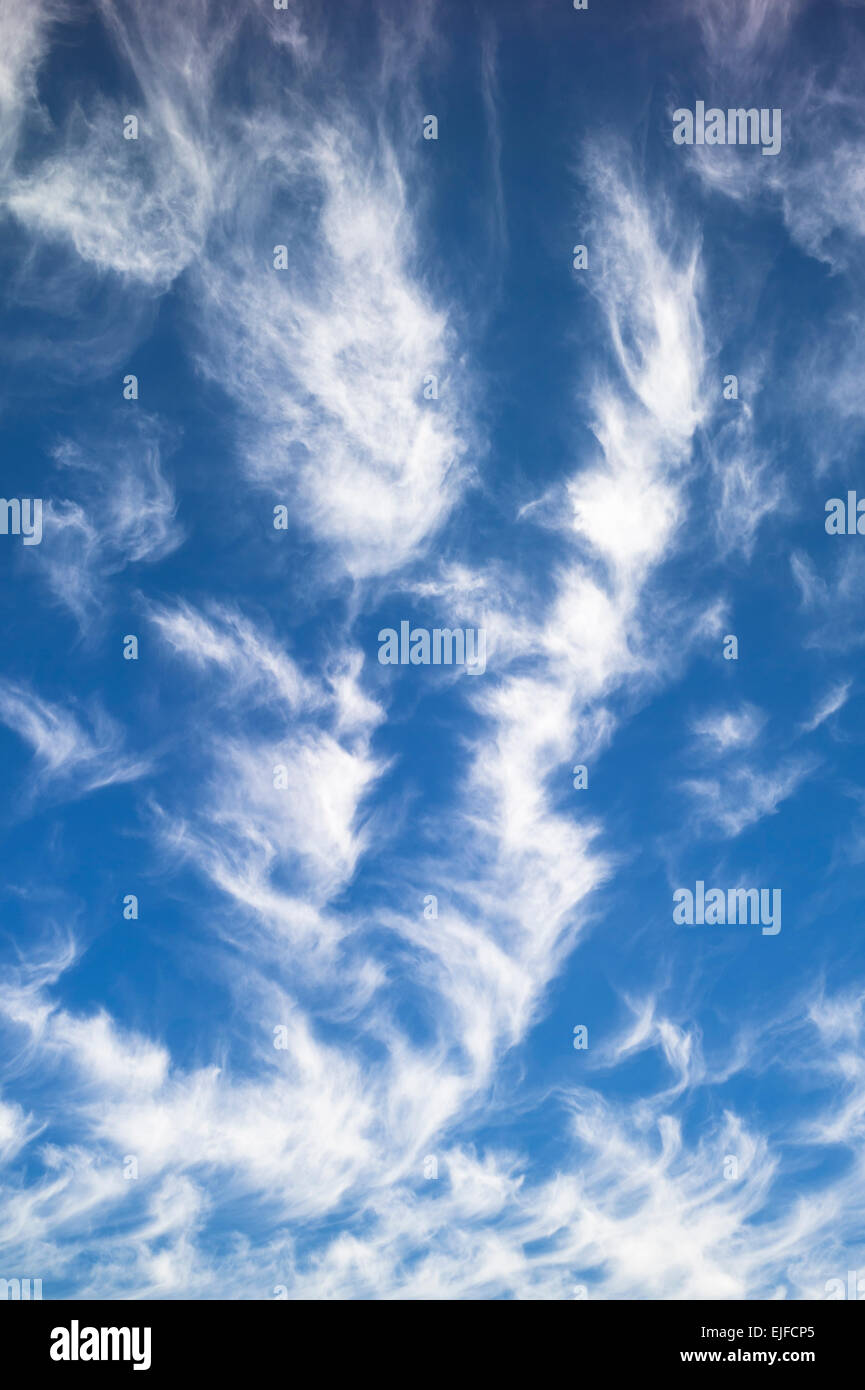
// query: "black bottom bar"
[[227, 1338]]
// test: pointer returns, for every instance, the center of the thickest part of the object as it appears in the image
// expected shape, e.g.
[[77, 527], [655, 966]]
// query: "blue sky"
[[284, 1078]]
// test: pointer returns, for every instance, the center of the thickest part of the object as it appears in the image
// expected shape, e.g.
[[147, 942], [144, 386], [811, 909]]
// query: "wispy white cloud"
[[24, 39], [829, 599], [745, 35], [329, 357], [141, 208], [123, 513], [277, 823], [832, 701], [635, 1209], [231, 643], [740, 797], [72, 753], [750, 489]]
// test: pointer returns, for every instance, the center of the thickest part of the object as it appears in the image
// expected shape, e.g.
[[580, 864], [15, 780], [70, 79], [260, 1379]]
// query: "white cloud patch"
[[726, 729]]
